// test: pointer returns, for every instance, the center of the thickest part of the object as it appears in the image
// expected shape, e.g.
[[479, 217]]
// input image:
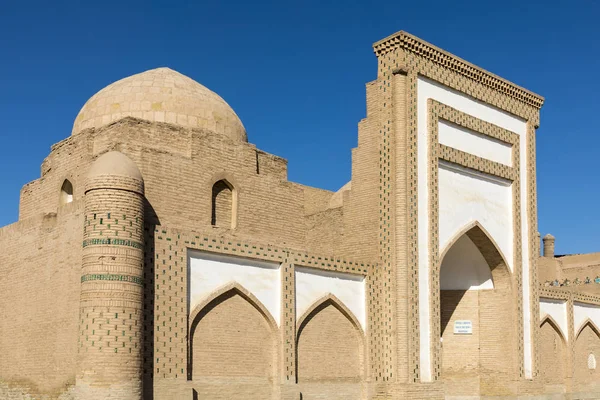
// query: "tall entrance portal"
[[477, 324]]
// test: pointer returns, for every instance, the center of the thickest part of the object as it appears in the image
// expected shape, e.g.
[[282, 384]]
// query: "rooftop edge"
[[434, 54]]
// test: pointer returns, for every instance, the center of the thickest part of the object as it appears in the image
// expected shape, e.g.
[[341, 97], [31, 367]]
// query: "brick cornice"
[[438, 56]]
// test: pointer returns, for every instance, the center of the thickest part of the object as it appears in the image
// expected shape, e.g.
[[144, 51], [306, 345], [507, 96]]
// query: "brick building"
[[161, 255]]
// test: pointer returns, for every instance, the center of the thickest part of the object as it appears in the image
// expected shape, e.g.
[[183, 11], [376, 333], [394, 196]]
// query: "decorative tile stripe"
[[266, 252], [575, 282], [468, 121], [555, 294], [534, 242], [474, 162], [568, 294], [444, 59], [113, 242], [414, 356], [439, 111], [330, 263], [586, 298], [112, 277], [288, 320]]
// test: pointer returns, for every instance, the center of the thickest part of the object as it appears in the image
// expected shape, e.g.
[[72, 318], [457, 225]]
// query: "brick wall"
[[584, 378], [233, 351], [460, 353], [330, 354], [553, 358], [40, 270]]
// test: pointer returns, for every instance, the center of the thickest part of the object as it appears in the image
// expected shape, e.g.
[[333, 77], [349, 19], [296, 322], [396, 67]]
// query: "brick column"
[[110, 341]]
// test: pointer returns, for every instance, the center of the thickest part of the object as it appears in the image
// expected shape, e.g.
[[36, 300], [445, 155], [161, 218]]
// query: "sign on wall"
[[463, 327]]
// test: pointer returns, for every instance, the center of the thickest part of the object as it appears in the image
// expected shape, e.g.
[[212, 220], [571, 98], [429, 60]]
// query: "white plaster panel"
[[209, 272], [428, 89], [557, 309], [466, 196], [464, 268], [475, 143], [313, 284], [582, 312]]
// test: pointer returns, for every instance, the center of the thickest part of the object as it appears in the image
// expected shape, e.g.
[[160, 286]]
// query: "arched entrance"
[[477, 323]]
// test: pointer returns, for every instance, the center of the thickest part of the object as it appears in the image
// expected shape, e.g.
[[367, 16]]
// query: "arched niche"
[[233, 346], [587, 341], [329, 351], [476, 341], [66, 192], [224, 205], [553, 355]]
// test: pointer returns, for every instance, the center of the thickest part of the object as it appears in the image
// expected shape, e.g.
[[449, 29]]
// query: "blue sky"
[[295, 74]]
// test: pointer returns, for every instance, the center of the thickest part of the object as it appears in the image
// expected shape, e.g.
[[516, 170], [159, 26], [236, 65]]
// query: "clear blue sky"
[[295, 74]]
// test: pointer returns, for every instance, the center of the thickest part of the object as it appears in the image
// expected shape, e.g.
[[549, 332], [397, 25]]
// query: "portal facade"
[[162, 256]]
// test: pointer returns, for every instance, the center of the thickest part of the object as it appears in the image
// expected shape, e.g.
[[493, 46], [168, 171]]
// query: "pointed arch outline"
[[501, 276], [548, 318], [212, 300], [67, 188], [323, 302], [591, 324], [234, 288], [229, 180], [477, 233], [315, 308]]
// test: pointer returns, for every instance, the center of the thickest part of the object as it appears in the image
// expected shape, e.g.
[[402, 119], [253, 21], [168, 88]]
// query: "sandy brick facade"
[[162, 256]]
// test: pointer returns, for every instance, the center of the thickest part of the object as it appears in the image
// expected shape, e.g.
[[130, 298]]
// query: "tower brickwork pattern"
[[110, 358]]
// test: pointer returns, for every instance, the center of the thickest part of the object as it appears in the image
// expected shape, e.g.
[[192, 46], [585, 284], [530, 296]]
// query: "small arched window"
[[66, 192], [223, 210]]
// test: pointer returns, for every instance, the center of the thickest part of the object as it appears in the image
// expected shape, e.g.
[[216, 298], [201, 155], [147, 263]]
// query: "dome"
[[114, 163], [161, 95]]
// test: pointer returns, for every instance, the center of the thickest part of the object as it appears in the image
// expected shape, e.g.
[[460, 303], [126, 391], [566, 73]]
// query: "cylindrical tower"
[[111, 303], [548, 245]]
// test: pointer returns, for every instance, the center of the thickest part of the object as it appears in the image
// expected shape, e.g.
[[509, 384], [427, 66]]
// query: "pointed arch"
[[553, 352], [227, 290], [552, 322], [591, 324], [586, 343], [219, 297], [66, 192], [472, 282], [330, 343], [224, 202], [328, 299], [484, 242]]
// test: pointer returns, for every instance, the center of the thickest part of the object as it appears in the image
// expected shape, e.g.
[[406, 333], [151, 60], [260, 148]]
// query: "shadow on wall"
[[449, 300], [152, 222]]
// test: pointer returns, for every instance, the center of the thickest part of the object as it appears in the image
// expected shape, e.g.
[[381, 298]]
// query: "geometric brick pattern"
[[452, 63], [438, 111], [170, 303], [406, 57], [110, 342], [131, 258]]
